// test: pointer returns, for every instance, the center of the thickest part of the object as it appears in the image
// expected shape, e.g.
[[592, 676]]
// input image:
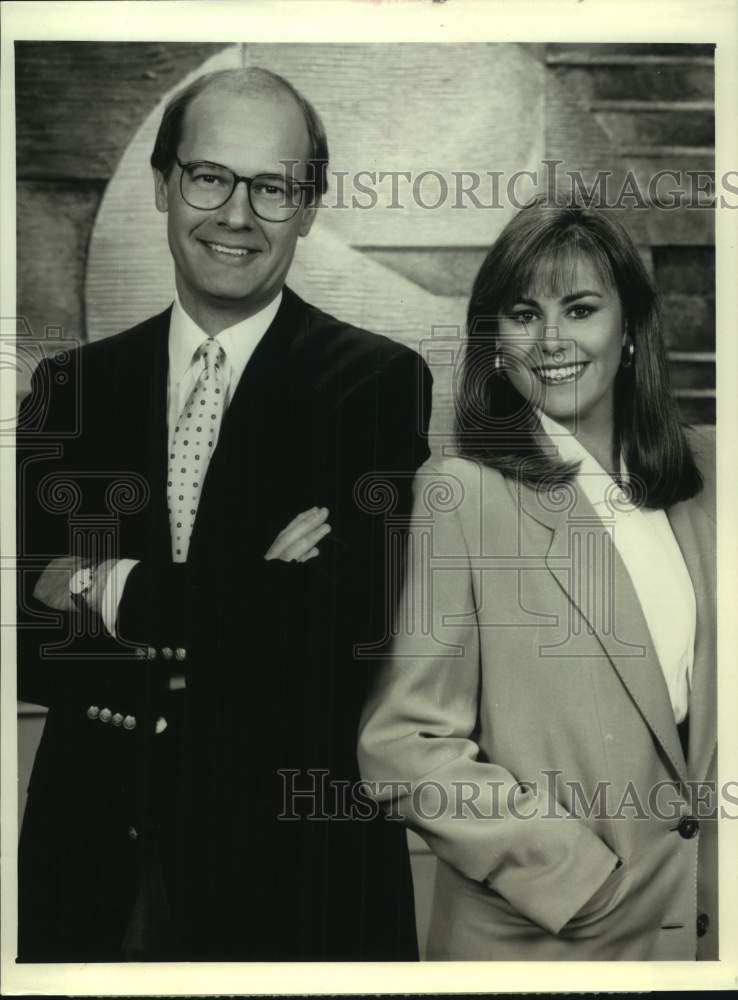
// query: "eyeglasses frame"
[[237, 178]]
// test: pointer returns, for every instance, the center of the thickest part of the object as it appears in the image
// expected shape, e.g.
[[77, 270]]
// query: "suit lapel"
[[157, 442], [139, 409], [694, 530], [251, 445], [587, 566]]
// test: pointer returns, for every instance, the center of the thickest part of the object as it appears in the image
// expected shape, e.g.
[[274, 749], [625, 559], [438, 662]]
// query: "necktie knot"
[[211, 352]]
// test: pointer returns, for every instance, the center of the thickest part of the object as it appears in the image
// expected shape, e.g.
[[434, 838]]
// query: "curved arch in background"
[[401, 107]]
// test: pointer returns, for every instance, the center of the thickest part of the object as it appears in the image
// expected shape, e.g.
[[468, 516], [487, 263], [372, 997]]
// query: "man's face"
[[251, 134]]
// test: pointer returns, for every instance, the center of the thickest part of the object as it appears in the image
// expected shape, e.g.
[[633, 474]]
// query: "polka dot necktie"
[[194, 441]]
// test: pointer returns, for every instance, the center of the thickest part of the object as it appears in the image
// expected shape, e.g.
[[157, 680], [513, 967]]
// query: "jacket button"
[[167, 652], [150, 653], [688, 827], [140, 652], [117, 719], [129, 722], [92, 712], [106, 715], [703, 922], [180, 653], [132, 833]]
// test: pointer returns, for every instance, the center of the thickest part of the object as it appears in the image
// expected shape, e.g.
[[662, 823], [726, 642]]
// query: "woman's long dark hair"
[[540, 248]]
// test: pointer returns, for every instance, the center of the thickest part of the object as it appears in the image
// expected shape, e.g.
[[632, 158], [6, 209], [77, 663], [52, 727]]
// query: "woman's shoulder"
[[470, 474], [702, 443], [462, 489]]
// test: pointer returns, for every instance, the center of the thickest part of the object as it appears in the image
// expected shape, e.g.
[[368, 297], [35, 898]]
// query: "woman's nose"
[[552, 342]]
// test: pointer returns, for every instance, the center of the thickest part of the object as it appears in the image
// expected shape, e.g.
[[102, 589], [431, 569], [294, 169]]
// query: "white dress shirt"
[[654, 561], [238, 342]]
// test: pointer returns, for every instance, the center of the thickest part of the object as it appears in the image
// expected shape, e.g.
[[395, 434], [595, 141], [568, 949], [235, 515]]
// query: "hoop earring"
[[626, 360]]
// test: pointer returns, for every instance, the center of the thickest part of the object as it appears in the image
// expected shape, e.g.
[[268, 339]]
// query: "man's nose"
[[237, 212]]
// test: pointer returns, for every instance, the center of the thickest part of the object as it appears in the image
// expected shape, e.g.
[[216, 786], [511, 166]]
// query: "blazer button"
[[117, 719], [132, 833], [129, 722], [92, 712], [150, 653], [688, 827], [703, 922], [166, 652], [106, 715], [180, 653], [140, 652]]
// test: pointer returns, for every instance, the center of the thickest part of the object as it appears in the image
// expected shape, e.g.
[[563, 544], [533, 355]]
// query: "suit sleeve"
[[374, 439], [417, 744], [58, 658]]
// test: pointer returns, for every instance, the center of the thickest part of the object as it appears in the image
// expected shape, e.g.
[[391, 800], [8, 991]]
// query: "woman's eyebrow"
[[565, 300], [579, 295]]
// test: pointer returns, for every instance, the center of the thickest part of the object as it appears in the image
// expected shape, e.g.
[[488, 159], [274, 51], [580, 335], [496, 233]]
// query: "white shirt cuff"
[[113, 591]]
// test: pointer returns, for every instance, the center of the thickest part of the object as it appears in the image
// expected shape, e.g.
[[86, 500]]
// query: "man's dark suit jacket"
[[273, 687]]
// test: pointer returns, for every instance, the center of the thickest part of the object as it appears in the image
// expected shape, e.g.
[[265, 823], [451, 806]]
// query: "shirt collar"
[[238, 341]]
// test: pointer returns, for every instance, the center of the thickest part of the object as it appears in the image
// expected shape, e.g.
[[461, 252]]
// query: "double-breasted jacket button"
[[688, 827], [93, 711], [167, 652], [181, 653], [105, 715], [129, 722], [703, 922], [140, 652], [150, 653], [117, 719], [132, 833]]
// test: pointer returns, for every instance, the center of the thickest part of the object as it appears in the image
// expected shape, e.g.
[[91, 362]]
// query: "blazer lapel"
[[157, 443], [587, 566], [261, 417], [140, 418], [694, 530]]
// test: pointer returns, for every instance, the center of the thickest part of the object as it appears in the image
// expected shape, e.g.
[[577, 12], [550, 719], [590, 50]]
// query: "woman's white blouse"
[[653, 559]]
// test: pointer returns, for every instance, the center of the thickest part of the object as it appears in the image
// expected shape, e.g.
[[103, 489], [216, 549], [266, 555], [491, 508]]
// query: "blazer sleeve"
[[376, 434], [417, 747]]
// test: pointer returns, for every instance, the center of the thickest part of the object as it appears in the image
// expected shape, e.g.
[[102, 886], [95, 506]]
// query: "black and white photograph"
[[368, 583]]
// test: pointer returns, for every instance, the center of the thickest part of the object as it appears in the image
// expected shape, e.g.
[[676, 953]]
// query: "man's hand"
[[52, 587], [298, 541]]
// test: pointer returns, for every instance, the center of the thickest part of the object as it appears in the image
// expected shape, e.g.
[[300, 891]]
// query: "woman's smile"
[[553, 375]]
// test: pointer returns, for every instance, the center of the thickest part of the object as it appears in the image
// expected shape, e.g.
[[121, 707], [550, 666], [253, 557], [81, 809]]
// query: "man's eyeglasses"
[[207, 186]]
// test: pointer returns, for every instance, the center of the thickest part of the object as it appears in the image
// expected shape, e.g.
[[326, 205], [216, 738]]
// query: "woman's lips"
[[560, 374]]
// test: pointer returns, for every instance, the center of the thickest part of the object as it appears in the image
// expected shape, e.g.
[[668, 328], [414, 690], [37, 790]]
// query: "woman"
[[550, 701]]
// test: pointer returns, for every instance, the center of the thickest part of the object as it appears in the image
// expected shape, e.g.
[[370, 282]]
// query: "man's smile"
[[226, 250]]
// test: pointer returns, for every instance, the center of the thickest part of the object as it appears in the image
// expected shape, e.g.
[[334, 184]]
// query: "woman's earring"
[[498, 358], [628, 354]]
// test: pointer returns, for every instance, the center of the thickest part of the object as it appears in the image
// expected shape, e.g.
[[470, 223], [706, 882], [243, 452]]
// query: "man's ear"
[[160, 191], [308, 218]]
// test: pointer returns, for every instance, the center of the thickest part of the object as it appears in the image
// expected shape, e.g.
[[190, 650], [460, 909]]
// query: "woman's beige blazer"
[[522, 726]]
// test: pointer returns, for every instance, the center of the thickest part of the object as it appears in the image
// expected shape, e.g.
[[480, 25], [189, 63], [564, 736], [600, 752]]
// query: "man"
[[199, 664]]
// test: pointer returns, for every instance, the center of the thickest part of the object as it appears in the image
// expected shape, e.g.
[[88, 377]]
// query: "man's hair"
[[246, 81], [540, 248]]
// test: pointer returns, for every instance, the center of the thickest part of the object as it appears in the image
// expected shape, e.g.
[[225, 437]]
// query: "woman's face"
[[562, 352]]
